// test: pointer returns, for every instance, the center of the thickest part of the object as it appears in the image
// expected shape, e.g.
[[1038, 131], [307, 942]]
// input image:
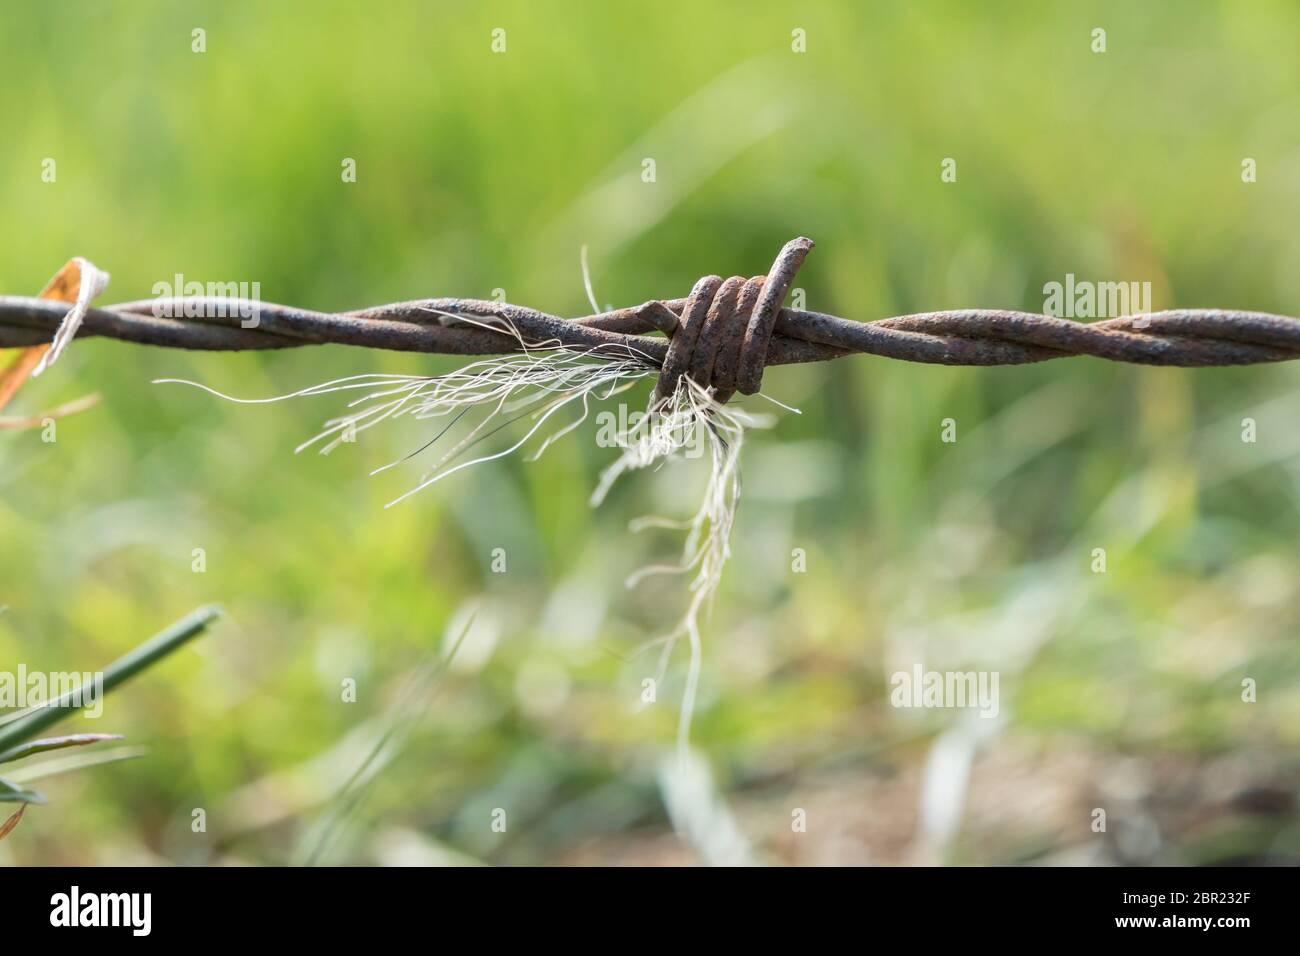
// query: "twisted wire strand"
[[724, 334]]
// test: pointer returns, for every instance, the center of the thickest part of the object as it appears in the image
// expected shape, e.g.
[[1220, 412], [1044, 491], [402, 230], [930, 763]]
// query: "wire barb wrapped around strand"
[[722, 335], [725, 328]]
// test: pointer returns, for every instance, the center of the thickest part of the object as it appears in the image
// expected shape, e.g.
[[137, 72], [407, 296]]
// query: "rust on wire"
[[722, 335]]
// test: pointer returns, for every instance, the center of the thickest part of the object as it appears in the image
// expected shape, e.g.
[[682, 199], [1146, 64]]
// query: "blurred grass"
[[479, 171]]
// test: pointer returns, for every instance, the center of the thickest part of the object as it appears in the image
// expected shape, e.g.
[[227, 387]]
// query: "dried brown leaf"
[[64, 287], [7, 827]]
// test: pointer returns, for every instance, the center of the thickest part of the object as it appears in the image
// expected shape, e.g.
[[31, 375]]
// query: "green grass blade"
[[121, 670], [12, 793], [53, 743], [56, 766], [414, 700]]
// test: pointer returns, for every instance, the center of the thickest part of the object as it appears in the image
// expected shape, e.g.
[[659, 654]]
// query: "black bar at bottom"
[[335, 906]]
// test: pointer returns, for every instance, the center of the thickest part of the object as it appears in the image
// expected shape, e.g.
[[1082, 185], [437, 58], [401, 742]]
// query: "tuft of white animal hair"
[[670, 427], [536, 384]]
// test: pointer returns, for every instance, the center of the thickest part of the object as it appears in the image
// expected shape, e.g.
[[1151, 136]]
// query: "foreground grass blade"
[[120, 671], [44, 769], [53, 743], [12, 793]]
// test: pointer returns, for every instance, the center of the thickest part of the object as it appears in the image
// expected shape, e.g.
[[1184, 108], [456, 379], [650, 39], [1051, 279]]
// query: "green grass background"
[[480, 171]]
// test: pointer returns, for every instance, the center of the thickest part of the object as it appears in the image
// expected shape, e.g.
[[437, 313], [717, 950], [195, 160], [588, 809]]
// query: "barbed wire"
[[723, 334]]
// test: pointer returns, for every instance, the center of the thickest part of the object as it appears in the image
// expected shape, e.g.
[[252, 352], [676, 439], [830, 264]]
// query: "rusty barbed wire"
[[723, 334]]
